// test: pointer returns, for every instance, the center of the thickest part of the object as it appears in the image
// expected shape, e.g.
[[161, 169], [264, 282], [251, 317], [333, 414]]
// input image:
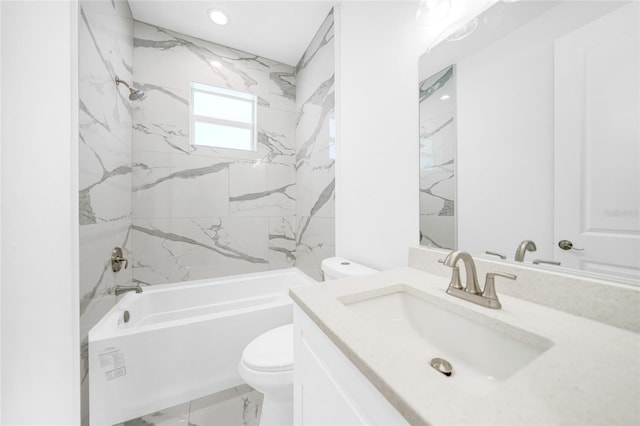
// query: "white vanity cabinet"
[[328, 388]]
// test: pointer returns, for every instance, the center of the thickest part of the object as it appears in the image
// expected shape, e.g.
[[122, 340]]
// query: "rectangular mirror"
[[545, 127]]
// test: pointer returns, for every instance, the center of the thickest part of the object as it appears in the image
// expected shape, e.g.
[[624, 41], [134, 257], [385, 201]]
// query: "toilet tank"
[[339, 267]]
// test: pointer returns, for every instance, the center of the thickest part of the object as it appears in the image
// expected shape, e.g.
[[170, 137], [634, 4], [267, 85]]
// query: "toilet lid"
[[271, 351]]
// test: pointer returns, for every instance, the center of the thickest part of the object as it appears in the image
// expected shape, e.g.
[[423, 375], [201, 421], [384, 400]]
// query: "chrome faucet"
[[526, 245], [471, 291], [123, 289]]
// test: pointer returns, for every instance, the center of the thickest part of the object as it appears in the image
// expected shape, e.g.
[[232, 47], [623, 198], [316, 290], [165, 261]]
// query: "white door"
[[597, 140]]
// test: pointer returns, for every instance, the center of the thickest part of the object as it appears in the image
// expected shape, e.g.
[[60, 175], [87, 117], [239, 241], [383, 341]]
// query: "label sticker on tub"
[[112, 363]]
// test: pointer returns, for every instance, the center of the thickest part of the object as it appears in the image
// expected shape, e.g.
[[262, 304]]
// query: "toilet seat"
[[271, 351]]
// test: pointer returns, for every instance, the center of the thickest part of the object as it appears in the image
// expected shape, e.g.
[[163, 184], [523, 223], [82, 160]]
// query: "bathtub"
[[173, 343]]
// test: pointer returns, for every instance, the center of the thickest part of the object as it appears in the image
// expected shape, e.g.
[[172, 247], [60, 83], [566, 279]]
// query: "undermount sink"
[[480, 348]]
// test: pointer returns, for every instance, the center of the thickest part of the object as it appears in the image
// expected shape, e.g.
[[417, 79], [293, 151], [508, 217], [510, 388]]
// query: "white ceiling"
[[279, 30]]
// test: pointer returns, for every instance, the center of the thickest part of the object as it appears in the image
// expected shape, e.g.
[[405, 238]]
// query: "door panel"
[[597, 140]]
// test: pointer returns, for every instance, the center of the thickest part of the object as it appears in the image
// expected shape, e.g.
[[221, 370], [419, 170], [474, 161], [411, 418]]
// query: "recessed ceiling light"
[[444, 97], [218, 16]]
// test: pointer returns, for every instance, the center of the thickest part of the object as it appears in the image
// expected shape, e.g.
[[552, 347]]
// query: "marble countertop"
[[590, 375]]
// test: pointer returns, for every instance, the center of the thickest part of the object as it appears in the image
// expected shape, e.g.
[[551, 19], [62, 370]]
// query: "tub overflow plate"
[[442, 366]]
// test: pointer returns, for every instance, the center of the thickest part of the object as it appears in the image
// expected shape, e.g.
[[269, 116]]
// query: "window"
[[222, 118]]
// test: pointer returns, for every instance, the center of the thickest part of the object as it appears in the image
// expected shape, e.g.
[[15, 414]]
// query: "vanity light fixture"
[[431, 12], [218, 16], [464, 31]]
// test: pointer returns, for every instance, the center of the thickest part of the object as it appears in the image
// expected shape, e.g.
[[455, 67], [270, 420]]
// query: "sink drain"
[[442, 366]]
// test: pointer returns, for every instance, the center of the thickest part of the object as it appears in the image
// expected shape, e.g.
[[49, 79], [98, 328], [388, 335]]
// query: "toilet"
[[267, 361]]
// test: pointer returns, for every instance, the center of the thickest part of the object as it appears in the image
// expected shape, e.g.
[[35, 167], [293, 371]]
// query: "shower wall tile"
[[97, 242], [200, 211], [315, 241], [315, 151], [318, 61], [161, 122], [276, 136], [282, 242], [261, 189], [282, 87], [179, 186], [105, 49], [175, 250], [197, 60]]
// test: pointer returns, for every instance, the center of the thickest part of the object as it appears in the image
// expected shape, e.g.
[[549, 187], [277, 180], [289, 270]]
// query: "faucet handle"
[[548, 262], [493, 253], [490, 287]]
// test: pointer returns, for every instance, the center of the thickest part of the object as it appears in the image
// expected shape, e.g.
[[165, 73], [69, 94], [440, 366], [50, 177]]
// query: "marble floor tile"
[[239, 406], [173, 416]]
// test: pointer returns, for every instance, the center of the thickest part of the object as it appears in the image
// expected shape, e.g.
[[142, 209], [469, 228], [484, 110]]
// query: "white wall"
[[40, 357], [0, 214], [377, 134], [505, 151]]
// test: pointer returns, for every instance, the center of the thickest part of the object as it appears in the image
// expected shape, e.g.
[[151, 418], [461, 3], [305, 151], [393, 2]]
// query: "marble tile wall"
[[437, 160], [315, 151], [202, 212], [105, 50]]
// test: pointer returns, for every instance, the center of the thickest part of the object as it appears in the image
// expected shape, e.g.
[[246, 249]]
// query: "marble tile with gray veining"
[[196, 60], [174, 250], [105, 49], [313, 130], [239, 406], [315, 151], [282, 242], [179, 186], [315, 241], [177, 415], [161, 124], [262, 189], [282, 87], [315, 138], [323, 37]]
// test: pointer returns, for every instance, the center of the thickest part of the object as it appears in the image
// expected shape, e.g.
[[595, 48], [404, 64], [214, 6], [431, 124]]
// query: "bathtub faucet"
[[123, 289]]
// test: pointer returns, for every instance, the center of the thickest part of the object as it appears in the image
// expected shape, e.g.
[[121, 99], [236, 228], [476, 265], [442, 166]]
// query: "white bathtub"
[[182, 341]]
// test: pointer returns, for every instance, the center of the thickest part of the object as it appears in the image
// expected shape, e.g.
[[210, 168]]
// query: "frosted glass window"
[[221, 136], [222, 117], [212, 105]]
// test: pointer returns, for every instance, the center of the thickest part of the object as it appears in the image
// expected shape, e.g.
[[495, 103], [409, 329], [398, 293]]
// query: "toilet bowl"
[[267, 361], [267, 366]]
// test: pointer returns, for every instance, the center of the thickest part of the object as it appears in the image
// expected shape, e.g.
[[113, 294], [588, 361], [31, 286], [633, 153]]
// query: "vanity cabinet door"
[[320, 399], [328, 388]]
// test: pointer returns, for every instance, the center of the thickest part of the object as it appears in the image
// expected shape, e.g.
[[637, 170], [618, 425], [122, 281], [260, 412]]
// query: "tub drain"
[[125, 316], [442, 366]]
